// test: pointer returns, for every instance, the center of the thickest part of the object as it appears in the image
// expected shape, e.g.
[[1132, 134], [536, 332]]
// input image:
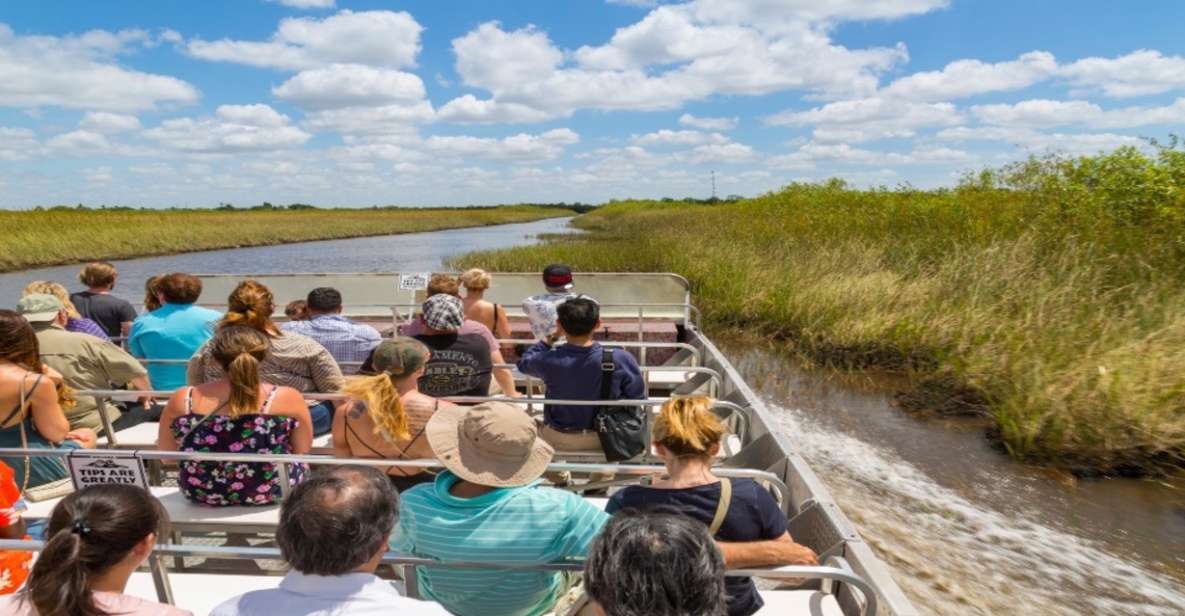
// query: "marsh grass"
[[57, 236], [1047, 295]]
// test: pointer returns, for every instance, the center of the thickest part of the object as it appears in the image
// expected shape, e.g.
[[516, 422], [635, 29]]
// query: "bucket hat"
[[492, 444], [444, 312]]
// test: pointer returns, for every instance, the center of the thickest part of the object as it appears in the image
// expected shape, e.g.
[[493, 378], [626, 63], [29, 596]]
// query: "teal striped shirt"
[[528, 525]]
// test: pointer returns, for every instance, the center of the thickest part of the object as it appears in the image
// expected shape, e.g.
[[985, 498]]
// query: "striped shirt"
[[523, 526], [294, 361], [346, 340]]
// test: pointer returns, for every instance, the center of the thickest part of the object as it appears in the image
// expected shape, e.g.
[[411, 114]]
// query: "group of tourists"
[[242, 383]]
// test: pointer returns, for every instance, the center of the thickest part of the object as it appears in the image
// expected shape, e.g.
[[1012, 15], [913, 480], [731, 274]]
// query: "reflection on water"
[[411, 252], [966, 530]]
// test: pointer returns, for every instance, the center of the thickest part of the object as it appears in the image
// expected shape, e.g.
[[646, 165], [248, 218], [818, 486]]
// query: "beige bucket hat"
[[492, 444]]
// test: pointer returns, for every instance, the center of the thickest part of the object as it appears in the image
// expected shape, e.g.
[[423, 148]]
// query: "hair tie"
[[81, 528]]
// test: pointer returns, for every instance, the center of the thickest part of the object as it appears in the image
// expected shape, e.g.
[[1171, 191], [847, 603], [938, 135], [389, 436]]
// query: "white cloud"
[[635, 3], [350, 85], [965, 78], [1139, 73], [79, 142], [520, 147], [104, 122], [773, 12], [721, 153], [810, 154], [1048, 113], [373, 38], [236, 128], [1034, 141], [388, 119], [80, 72], [17, 143], [869, 119], [306, 4], [468, 109], [678, 137], [708, 123]]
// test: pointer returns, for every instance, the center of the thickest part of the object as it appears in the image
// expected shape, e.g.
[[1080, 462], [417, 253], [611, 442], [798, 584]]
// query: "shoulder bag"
[[46, 491], [622, 429]]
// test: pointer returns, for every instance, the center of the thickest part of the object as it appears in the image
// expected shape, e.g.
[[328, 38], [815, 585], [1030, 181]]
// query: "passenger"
[[333, 532], [572, 371], [151, 294], [85, 362], [488, 507], [31, 401], [452, 372], [540, 309], [297, 310], [75, 322], [175, 331], [346, 340], [14, 564], [487, 313], [388, 415], [113, 314], [236, 414], [295, 360], [97, 538], [745, 520], [444, 283], [655, 563]]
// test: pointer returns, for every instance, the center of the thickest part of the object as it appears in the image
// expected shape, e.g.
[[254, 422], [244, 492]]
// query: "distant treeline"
[[266, 206]]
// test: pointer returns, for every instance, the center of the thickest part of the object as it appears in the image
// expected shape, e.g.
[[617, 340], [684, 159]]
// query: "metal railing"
[[694, 320]]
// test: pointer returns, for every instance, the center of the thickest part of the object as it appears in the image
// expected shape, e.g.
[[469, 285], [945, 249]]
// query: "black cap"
[[557, 276]]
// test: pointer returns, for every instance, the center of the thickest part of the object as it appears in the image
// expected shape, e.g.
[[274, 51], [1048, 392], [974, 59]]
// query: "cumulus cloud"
[[709, 123], [811, 153], [306, 4], [234, 128], [678, 137], [17, 143], [387, 119], [520, 147], [1137, 74], [468, 109], [1035, 141], [350, 85], [105, 122], [1049, 113], [965, 78], [869, 119]]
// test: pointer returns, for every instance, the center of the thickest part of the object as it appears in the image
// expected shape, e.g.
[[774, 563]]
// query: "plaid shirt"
[[345, 340]]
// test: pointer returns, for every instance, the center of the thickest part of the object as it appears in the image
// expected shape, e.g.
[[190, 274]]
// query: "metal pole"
[[101, 405]]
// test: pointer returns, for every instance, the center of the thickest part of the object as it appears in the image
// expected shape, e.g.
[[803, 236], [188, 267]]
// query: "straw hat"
[[492, 444]]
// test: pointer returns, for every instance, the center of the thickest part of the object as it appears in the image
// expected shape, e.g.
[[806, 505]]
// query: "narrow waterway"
[[967, 530]]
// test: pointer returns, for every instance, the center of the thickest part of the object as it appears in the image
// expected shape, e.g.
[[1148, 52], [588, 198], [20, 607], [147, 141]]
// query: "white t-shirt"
[[540, 310], [357, 594]]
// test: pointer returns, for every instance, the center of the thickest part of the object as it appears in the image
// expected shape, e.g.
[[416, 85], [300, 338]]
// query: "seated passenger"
[[297, 310], [572, 371], [387, 415], [85, 362], [487, 313], [655, 563], [739, 513], [488, 507], [295, 360], [333, 532], [540, 309], [76, 322], [346, 340], [175, 330], [113, 314], [236, 414], [31, 401], [461, 362], [97, 537], [14, 564], [151, 297]]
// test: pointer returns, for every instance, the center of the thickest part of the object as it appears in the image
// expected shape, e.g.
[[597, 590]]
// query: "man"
[[176, 330], [573, 371], [655, 563], [346, 340], [541, 309], [489, 507], [84, 361], [333, 531], [96, 303], [463, 351]]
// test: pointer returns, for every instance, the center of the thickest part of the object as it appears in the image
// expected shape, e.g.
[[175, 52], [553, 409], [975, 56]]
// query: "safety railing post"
[[108, 427], [160, 578]]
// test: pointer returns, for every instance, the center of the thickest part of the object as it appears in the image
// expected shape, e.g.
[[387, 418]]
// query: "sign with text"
[[89, 468], [413, 282]]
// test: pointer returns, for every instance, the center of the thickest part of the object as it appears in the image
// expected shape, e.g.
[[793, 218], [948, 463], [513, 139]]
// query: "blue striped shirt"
[[528, 525]]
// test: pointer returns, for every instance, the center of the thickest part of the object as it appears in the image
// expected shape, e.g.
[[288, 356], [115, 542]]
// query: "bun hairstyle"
[[476, 279], [251, 304], [239, 350], [56, 290], [89, 532], [687, 426], [394, 360], [18, 344], [151, 288]]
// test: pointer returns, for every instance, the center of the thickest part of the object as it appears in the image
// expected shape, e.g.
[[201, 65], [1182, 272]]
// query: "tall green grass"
[[56, 236], [1047, 295]]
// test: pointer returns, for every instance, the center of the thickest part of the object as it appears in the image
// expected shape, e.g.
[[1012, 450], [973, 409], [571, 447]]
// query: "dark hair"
[[179, 288], [18, 341], [297, 310], [97, 274], [151, 288], [578, 315], [324, 299], [337, 520], [655, 563], [89, 532]]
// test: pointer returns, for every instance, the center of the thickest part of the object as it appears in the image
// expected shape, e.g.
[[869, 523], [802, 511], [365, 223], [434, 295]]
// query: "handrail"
[[695, 321], [160, 551], [696, 354]]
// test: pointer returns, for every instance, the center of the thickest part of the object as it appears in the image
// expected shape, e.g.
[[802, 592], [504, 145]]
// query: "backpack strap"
[[722, 506], [607, 369]]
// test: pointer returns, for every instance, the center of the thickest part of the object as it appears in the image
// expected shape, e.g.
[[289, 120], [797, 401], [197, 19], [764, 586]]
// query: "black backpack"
[[622, 429]]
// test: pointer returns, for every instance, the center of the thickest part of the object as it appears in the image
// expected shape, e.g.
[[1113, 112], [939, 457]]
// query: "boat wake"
[[953, 556]]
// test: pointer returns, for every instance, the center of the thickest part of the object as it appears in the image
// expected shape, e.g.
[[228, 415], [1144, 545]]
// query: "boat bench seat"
[[799, 603], [143, 436], [187, 516]]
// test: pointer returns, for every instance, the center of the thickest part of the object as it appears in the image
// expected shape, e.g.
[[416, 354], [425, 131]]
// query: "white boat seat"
[[188, 516], [799, 603], [143, 436], [200, 593]]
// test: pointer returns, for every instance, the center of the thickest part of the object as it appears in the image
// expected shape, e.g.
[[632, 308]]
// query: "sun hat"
[[557, 276], [444, 312], [492, 444], [399, 356], [39, 307]]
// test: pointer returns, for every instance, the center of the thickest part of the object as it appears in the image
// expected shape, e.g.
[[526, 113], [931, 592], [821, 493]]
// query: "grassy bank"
[[1047, 295], [57, 236]]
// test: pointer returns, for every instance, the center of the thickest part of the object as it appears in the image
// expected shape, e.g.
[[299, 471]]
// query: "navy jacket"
[[574, 373]]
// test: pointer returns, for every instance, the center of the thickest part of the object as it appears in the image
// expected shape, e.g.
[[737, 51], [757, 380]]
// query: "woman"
[[14, 565], [294, 361], [75, 322], [31, 401], [151, 294], [236, 414], [491, 315], [387, 415], [687, 437], [97, 537]]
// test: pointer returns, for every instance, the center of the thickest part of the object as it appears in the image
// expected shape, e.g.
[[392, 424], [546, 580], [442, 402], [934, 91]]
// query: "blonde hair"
[[56, 290], [476, 279], [686, 426], [97, 274], [239, 350], [446, 284], [383, 404], [251, 304]]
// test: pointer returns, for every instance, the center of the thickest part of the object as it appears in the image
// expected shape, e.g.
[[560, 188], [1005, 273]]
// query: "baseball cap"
[[557, 276], [399, 356], [39, 307], [444, 312]]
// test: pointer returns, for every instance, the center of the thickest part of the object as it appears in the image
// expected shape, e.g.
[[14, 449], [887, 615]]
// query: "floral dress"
[[223, 484]]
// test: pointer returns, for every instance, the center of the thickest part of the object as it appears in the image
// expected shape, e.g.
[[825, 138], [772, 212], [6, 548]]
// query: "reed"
[[1047, 295], [64, 235]]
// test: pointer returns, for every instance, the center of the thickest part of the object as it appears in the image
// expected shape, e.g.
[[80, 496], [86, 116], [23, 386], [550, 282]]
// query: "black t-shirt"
[[460, 366], [753, 515], [106, 310]]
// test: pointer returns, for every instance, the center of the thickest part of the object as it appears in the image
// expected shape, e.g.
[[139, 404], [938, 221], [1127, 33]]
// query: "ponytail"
[[687, 426], [243, 375], [251, 304], [383, 404], [57, 585]]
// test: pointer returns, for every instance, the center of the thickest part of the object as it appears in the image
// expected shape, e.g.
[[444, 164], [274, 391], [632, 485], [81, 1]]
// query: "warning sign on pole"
[[413, 282]]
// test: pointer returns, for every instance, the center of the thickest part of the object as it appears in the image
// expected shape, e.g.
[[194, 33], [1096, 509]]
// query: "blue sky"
[[469, 102]]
